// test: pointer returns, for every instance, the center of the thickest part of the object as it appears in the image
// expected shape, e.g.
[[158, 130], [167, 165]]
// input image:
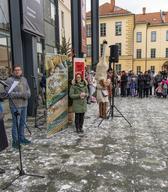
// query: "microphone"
[[3, 83]]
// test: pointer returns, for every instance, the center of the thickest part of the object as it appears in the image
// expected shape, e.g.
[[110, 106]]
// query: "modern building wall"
[[5, 47], [49, 26]]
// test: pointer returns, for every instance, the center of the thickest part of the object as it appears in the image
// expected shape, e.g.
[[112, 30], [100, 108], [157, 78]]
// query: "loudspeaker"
[[114, 54]]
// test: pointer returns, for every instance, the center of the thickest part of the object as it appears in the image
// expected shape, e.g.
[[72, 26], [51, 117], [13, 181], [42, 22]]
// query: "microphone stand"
[[20, 169], [36, 125], [5, 85], [112, 105]]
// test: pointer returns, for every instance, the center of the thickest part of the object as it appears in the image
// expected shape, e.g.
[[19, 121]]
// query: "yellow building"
[[151, 41], [119, 26], [116, 27]]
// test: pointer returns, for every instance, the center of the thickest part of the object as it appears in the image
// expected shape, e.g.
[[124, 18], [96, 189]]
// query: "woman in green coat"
[[79, 93]]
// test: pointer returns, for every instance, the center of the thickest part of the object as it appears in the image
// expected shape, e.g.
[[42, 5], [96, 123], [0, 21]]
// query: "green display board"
[[56, 93]]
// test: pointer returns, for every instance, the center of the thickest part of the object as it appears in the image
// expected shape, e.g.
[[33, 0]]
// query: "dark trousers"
[[146, 92], [79, 120], [128, 92], [150, 90], [141, 92], [3, 137], [123, 91]]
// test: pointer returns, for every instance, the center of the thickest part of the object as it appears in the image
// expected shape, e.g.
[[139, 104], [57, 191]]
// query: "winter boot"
[[100, 109], [104, 115]]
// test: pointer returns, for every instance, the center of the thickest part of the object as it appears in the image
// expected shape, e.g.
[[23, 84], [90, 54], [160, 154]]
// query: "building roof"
[[152, 18], [107, 9]]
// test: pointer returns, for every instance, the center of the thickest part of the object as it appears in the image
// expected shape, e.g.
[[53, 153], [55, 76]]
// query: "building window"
[[88, 30], [166, 35], [62, 19], [103, 29], [153, 69], [138, 69], [89, 50], [119, 49], [153, 36], [139, 53], [52, 11], [139, 37], [153, 53], [101, 49], [118, 28], [5, 41], [166, 52], [118, 68]]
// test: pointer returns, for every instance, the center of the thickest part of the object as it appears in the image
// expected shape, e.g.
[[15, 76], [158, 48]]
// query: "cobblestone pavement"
[[111, 158]]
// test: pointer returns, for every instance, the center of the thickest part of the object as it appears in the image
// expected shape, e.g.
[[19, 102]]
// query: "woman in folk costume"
[[102, 83]]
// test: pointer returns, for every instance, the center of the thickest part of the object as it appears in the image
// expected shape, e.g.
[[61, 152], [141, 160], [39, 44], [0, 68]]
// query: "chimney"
[[113, 4], [163, 15], [144, 10]]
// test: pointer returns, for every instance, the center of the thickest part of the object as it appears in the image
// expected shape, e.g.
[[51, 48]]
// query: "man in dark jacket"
[[141, 85], [147, 80], [123, 83], [20, 95]]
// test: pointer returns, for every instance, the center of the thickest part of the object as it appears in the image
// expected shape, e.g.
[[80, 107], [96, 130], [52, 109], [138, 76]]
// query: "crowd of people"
[[83, 91], [130, 85]]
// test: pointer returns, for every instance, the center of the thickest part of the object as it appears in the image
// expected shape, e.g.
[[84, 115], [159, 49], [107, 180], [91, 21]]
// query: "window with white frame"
[[139, 37], [102, 29], [101, 49], [89, 50], [88, 30], [118, 68], [153, 36], [118, 28], [152, 69], [153, 53], [138, 69], [139, 53], [167, 35]]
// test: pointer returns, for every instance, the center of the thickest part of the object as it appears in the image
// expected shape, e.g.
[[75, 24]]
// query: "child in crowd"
[[133, 87], [165, 87], [159, 90]]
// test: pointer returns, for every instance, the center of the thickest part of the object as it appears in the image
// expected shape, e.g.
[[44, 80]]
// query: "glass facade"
[[5, 45], [49, 26]]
